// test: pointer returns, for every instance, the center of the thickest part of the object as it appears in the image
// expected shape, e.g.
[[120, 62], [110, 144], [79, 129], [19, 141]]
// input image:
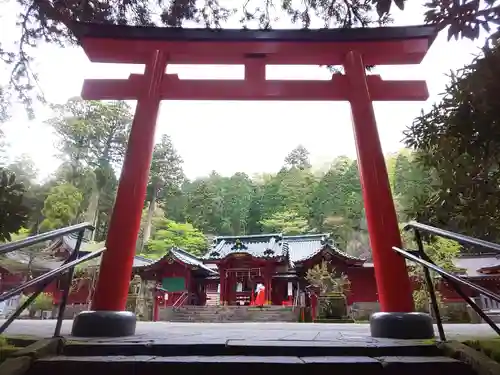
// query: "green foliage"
[[61, 206], [412, 183], [458, 142], [490, 347], [324, 278], [166, 174], [332, 288], [20, 235], [4, 146], [239, 194], [92, 132], [13, 212], [292, 201], [3, 342], [44, 302], [5, 348], [465, 19], [287, 222], [171, 234], [442, 252], [337, 204], [165, 178], [92, 143], [25, 170], [298, 158], [204, 206]]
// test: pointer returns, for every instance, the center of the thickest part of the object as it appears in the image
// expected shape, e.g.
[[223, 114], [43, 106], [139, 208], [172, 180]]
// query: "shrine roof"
[[70, 240], [95, 30], [297, 248], [51, 258], [304, 247], [259, 246], [87, 247], [478, 265], [180, 255], [187, 258]]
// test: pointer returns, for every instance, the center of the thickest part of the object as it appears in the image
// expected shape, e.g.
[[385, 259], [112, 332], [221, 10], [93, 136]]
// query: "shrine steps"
[[227, 314], [246, 357], [250, 365]]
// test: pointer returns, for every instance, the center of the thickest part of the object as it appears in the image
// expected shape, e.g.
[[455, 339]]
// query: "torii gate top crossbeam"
[[379, 46]]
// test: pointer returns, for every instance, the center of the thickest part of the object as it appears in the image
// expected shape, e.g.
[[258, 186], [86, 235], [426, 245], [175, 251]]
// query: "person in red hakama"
[[260, 300]]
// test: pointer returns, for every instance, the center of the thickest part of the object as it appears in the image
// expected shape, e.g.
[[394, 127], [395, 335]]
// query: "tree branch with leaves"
[[48, 21]]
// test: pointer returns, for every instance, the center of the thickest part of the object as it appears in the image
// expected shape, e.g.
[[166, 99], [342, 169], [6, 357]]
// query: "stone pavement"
[[219, 333]]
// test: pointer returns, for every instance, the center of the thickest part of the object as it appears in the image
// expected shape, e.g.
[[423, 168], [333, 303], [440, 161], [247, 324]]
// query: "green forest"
[[296, 199], [448, 176]]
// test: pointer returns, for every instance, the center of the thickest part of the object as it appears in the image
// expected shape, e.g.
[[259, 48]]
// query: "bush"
[[44, 302], [332, 306], [490, 348], [456, 313], [6, 349]]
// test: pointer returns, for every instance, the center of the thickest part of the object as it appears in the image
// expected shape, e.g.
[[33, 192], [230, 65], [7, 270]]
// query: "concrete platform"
[[221, 333]]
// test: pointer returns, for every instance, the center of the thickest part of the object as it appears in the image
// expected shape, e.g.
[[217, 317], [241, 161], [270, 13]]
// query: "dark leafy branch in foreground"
[[459, 139], [46, 20]]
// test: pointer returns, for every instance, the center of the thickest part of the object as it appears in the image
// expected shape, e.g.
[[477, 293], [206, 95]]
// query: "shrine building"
[[232, 267]]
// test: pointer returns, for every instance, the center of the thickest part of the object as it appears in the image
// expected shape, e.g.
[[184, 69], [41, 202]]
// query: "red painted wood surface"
[[393, 52], [116, 265], [174, 88], [394, 287], [393, 282]]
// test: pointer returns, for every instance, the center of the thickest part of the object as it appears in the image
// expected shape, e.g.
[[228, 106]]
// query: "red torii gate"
[[156, 47]]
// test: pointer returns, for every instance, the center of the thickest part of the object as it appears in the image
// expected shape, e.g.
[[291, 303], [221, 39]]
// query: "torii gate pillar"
[[353, 48], [108, 317]]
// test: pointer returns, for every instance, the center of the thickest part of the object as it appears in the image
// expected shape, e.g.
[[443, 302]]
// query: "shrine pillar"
[[156, 308], [267, 285], [230, 289], [109, 317], [393, 283], [222, 286]]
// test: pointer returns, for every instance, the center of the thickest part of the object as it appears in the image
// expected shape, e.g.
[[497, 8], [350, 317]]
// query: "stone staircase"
[[212, 299], [494, 314], [245, 357], [227, 314]]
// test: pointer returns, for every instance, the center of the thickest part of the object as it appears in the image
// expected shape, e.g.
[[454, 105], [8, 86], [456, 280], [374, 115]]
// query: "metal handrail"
[[42, 281], [460, 238], [16, 245], [420, 257], [50, 275], [448, 276], [178, 303]]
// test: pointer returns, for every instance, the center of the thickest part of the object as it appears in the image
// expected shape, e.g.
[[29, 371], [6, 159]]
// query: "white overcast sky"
[[251, 137]]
